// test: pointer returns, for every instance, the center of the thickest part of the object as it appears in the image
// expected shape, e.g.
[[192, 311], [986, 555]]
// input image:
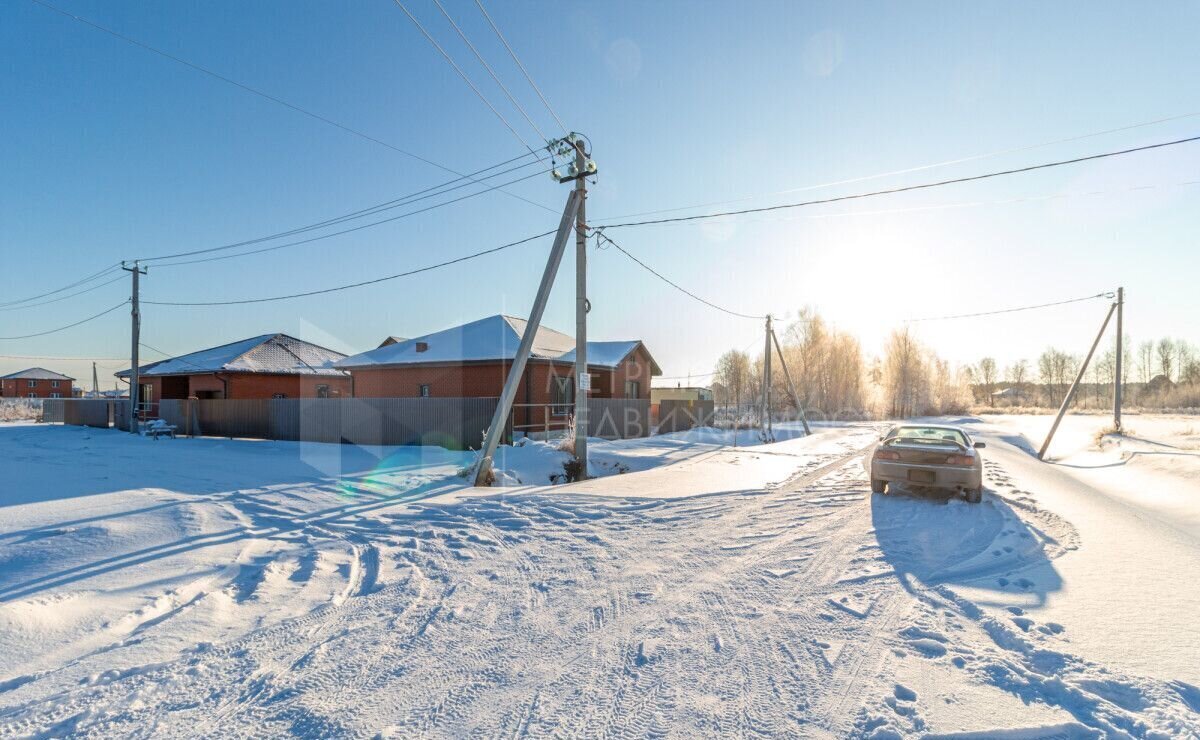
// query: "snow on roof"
[[611, 354], [36, 373], [491, 338], [276, 354]]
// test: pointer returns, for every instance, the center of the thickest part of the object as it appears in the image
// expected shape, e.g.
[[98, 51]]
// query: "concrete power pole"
[[136, 316], [765, 423], [1118, 381], [95, 382], [583, 381]]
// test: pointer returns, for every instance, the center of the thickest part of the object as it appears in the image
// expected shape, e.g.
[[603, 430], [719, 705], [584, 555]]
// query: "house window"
[[56, 395], [278, 395], [562, 395], [633, 389], [31, 384], [423, 391], [33, 395], [53, 383], [322, 391]]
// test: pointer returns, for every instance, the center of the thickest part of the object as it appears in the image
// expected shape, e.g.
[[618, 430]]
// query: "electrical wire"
[[63, 298], [490, 71], [265, 96], [1107, 295], [463, 75], [369, 210], [907, 170], [360, 227], [907, 188], [97, 360], [561, 126], [82, 281], [601, 235], [69, 326], [361, 284]]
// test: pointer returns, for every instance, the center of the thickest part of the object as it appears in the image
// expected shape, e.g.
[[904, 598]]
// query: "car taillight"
[[959, 460], [886, 455]]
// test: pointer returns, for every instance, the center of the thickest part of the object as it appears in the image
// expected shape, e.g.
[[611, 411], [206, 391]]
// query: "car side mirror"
[[980, 445]]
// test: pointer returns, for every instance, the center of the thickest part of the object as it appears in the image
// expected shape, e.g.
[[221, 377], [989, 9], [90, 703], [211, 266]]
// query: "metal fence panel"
[[618, 418], [85, 412], [53, 411], [679, 416]]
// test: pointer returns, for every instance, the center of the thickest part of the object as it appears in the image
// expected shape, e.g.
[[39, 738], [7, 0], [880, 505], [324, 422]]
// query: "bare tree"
[[986, 377], [1166, 357], [733, 374], [1146, 361], [1017, 374]]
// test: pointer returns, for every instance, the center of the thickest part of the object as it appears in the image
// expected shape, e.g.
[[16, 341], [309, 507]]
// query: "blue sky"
[[111, 152]]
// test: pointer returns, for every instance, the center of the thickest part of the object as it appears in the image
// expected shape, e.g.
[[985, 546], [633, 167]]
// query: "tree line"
[[835, 379]]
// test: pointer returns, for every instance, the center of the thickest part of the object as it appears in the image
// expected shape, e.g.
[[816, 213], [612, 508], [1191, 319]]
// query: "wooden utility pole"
[[583, 381], [766, 432], [136, 316], [499, 419], [1119, 380], [1062, 410]]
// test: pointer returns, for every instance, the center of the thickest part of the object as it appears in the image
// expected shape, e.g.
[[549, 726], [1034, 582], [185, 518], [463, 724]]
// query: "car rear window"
[[928, 435]]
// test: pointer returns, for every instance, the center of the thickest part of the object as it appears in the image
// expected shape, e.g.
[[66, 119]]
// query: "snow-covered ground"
[[215, 588]]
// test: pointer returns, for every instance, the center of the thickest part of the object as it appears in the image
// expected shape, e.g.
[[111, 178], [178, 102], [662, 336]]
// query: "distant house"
[[680, 393], [36, 382], [472, 360], [267, 366]]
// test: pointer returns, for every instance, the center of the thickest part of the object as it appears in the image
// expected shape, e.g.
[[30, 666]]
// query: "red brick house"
[[36, 382], [268, 366], [473, 360]]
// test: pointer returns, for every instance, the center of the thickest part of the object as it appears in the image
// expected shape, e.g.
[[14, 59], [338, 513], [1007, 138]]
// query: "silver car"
[[927, 456]]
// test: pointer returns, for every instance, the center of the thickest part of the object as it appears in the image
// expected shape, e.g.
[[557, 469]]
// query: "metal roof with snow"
[[488, 339], [36, 373], [273, 354]]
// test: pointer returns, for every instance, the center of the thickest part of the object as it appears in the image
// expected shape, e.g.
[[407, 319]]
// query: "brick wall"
[[247, 386]]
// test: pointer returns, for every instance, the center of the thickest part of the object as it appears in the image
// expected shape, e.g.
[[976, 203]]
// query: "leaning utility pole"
[[766, 432], [483, 468], [136, 315], [1062, 410], [583, 380], [1119, 380], [791, 386]]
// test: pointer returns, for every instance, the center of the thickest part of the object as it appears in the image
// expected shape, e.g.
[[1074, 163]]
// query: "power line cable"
[[561, 126], [463, 75], [919, 168], [601, 235], [97, 360], [264, 95], [907, 188], [69, 326], [360, 227], [1107, 295], [361, 284], [490, 71], [63, 298], [82, 281]]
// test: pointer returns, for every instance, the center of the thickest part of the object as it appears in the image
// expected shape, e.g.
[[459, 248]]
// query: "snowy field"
[[215, 588]]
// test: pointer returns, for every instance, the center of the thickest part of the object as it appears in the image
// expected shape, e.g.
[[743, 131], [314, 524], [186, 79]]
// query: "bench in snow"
[[159, 428]]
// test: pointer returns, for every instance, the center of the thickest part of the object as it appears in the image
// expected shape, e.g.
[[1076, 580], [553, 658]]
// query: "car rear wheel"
[[878, 486], [974, 495]]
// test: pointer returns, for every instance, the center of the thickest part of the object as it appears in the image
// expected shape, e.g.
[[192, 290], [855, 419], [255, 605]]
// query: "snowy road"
[[698, 607]]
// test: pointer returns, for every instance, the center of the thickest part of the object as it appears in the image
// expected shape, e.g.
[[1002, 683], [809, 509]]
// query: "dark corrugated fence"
[[454, 423]]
